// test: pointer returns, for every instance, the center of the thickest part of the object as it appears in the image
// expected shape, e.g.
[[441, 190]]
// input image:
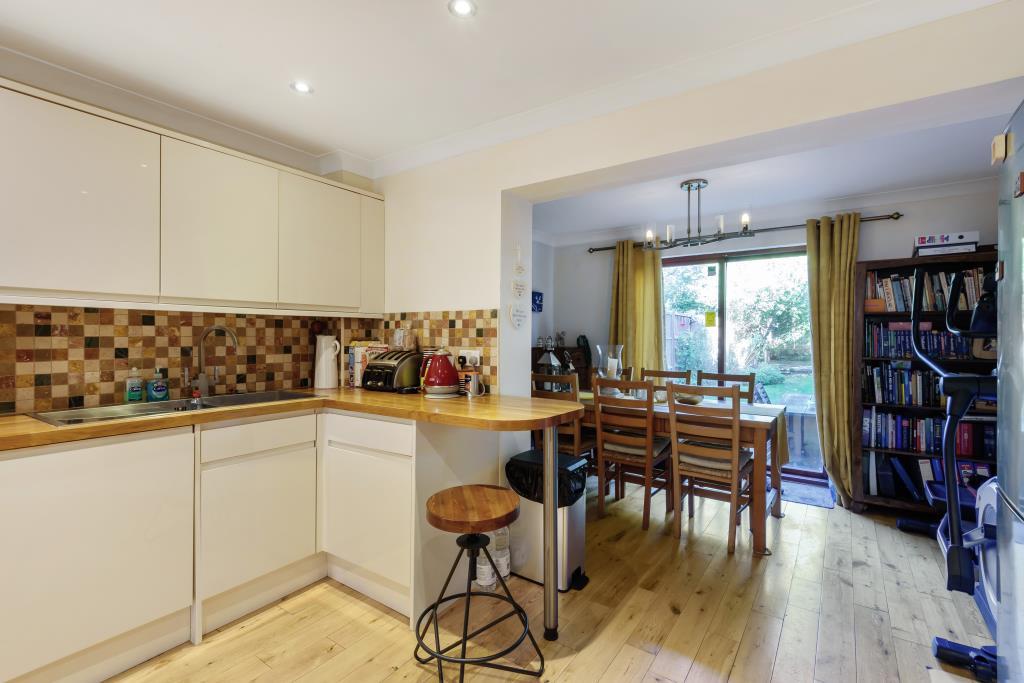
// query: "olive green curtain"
[[636, 312], [832, 266]]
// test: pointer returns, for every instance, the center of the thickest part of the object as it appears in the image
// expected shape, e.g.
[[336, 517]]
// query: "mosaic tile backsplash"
[[54, 357], [454, 329]]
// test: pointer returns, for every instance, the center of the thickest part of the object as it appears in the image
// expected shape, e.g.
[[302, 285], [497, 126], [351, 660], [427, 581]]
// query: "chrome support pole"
[[551, 533]]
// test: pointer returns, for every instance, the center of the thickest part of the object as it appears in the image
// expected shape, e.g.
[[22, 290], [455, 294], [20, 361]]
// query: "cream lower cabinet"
[[258, 502], [95, 541], [81, 203], [366, 516]]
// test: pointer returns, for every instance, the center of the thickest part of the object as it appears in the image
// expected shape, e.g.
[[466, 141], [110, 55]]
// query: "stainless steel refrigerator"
[[1010, 439]]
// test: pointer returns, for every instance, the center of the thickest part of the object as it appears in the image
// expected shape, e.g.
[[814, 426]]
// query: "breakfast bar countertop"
[[491, 413]]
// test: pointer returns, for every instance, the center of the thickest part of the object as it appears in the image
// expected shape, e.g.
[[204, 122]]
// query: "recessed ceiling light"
[[462, 8], [302, 88]]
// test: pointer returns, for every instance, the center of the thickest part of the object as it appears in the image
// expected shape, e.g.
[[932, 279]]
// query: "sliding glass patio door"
[[749, 313]]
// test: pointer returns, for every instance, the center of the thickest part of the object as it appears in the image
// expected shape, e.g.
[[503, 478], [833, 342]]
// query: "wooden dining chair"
[[572, 438], [626, 440], [659, 377], [750, 379], [706, 452]]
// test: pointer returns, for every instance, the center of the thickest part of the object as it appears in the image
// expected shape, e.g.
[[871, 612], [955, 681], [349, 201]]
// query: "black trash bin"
[[525, 475]]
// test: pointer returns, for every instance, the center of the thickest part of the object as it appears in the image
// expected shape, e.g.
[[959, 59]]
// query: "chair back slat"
[[749, 379], [709, 422], [614, 414], [538, 381], [680, 376]]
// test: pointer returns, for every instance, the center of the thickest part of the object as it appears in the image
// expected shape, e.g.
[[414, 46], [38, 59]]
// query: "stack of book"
[[893, 340], [890, 431], [896, 384], [895, 293]]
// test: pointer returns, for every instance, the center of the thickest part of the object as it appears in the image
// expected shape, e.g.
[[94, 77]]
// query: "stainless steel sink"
[[76, 416], [254, 397]]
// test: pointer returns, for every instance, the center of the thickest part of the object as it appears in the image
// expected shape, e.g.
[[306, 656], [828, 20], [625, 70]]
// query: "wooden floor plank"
[[794, 661], [756, 654], [835, 659], [876, 655]]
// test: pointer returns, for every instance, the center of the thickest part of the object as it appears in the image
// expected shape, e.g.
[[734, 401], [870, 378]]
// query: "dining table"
[[762, 429]]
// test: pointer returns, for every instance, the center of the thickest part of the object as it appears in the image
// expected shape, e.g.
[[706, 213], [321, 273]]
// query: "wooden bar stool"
[[472, 511]]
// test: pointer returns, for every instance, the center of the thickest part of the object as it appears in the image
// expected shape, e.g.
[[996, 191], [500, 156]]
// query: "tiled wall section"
[[455, 329], [54, 357]]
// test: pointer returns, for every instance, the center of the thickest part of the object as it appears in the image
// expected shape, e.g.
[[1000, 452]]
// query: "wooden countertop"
[[491, 413]]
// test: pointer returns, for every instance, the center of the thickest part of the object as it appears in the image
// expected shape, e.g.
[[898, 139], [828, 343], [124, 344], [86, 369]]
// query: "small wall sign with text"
[[518, 288], [516, 315]]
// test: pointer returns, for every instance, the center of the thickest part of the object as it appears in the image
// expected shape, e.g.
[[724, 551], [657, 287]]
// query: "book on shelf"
[[889, 477], [895, 340], [896, 384], [916, 435], [895, 291]]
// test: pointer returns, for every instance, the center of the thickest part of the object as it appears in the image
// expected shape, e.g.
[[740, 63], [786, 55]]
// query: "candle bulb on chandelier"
[[745, 222], [721, 224], [669, 229], [649, 237]]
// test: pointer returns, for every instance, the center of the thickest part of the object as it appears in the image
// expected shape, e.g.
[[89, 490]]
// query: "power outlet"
[[473, 356]]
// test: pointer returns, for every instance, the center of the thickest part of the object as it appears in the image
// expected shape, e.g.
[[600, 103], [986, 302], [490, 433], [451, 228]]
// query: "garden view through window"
[[761, 306]]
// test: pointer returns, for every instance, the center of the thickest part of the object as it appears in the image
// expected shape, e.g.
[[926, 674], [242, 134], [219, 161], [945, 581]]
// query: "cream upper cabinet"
[[219, 226], [372, 225], [81, 202], [319, 245]]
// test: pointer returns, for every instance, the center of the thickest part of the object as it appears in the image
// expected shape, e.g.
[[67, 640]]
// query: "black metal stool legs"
[[471, 545]]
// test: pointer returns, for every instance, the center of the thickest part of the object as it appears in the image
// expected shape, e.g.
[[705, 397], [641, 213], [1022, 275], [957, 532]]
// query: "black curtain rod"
[[894, 216]]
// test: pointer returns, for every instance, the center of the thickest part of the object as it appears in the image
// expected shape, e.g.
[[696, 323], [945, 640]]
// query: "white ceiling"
[[402, 82], [919, 159]]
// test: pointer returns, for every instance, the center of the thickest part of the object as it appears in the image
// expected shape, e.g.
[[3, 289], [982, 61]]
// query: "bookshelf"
[[910, 395]]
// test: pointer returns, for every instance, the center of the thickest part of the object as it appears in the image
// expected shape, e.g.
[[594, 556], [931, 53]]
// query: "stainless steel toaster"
[[394, 371]]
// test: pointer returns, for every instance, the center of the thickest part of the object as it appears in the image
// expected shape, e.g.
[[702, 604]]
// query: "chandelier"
[[695, 185]]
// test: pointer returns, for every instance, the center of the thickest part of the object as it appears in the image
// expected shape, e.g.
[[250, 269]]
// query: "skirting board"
[[369, 584], [235, 603], [118, 654]]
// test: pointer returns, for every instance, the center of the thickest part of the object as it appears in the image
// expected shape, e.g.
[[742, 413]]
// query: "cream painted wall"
[[513, 343], [454, 206], [544, 281], [583, 281]]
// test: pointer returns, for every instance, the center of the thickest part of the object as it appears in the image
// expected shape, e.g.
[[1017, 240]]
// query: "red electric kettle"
[[440, 376]]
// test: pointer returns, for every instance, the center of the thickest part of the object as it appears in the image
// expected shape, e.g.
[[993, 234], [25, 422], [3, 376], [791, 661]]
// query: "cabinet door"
[[258, 514], [320, 236], [96, 540], [81, 202], [219, 226], [373, 255], [368, 509]]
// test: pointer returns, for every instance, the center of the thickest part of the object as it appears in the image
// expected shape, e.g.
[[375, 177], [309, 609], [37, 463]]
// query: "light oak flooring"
[[842, 598]]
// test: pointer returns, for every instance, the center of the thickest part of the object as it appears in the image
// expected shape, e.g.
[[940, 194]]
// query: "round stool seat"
[[472, 509]]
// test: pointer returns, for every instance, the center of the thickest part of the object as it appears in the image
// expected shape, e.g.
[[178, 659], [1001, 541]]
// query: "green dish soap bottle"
[[133, 387], [156, 388]]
